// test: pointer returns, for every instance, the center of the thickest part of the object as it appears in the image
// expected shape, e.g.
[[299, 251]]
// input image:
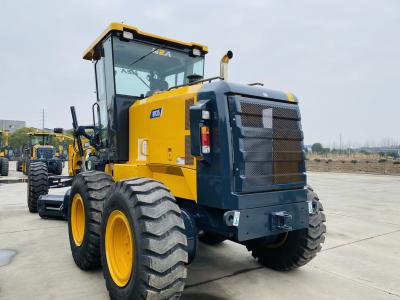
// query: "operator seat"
[[157, 85]]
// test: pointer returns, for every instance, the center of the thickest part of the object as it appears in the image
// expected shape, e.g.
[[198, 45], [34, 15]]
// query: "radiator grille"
[[46, 153], [270, 141]]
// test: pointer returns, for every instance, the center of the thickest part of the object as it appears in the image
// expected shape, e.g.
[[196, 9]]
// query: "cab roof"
[[91, 52], [41, 133]]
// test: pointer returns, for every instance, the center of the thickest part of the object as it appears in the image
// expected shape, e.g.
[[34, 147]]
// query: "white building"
[[11, 125]]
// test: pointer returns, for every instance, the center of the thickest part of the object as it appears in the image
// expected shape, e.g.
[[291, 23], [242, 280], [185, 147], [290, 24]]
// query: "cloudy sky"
[[341, 58]]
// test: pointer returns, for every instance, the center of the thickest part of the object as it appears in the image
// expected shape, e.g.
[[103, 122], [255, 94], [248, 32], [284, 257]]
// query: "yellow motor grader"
[[4, 151], [173, 158]]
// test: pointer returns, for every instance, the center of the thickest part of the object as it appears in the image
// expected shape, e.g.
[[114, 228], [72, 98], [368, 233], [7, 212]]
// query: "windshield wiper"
[[144, 56], [134, 72]]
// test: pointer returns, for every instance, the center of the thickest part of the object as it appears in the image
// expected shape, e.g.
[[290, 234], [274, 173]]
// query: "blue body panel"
[[224, 183]]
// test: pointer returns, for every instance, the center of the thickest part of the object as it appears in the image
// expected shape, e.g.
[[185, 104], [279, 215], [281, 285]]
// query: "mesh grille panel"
[[256, 169], [286, 124], [249, 108], [270, 142], [45, 153], [252, 121], [286, 145], [257, 145]]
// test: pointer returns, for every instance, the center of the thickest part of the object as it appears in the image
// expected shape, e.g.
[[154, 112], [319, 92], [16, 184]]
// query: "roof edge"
[[89, 53]]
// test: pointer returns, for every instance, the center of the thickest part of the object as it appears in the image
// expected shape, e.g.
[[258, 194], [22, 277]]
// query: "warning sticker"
[[267, 117]]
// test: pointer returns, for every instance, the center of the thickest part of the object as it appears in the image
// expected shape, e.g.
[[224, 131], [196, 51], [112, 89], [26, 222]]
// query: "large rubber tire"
[[38, 184], [59, 168], [93, 187], [159, 241], [298, 247], [27, 166], [19, 166], [4, 166], [211, 238]]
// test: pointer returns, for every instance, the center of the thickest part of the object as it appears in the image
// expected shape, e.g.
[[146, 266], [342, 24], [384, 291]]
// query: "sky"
[[340, 58]]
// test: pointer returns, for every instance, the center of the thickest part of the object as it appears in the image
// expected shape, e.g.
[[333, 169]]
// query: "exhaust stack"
[[224, 65]]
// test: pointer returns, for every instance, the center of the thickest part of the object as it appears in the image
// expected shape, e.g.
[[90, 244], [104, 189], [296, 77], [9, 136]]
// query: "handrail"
[[196, 82]]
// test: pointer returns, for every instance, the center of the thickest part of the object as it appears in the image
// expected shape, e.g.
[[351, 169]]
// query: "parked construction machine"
[[4, 148], [42, 146], [174, 158]]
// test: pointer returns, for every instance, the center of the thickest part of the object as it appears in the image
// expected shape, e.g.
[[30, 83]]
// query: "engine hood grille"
[[268, 144]]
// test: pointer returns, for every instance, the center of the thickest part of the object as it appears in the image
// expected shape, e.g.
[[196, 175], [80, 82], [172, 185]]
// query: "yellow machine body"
[[75, 160], [159, 148], [3, 143]]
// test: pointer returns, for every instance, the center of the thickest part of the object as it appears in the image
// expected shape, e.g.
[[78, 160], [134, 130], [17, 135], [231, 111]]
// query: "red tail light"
[[205, 139]]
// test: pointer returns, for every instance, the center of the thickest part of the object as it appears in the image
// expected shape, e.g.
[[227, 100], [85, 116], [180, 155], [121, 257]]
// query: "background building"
[[11, 125]]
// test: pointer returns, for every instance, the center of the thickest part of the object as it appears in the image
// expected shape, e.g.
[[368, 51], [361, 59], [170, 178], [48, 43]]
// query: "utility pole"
[[43, 119]]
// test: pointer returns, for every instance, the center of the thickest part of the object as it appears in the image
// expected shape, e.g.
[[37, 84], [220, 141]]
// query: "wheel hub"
[[119, 247], [77, 219]]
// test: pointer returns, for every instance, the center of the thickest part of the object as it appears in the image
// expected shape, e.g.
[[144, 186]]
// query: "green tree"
[[317, 148], [69, 132], [19, 137]]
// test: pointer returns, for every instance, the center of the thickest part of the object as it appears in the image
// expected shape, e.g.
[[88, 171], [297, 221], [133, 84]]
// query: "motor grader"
[[173, 158], [42, 146], [4, 151]]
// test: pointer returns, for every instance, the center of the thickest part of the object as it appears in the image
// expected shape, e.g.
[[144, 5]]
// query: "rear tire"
[[38, 184], [4, 166], [59, 167], [298, 247], [211, 238], [92, 187], [19, 166], [27, 166], [158, 268]]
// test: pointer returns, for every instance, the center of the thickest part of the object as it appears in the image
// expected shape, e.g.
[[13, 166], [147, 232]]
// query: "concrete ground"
[[360, 258]]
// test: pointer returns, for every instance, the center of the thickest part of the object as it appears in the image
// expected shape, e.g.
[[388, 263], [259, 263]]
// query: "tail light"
[[205, 140]]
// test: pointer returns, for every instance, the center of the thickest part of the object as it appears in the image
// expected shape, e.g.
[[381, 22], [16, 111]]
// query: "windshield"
[[142, 69], [42, 140]]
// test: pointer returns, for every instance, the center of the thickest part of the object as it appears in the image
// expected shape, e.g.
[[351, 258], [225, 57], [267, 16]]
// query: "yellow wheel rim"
[[120, 248], [78, 219]]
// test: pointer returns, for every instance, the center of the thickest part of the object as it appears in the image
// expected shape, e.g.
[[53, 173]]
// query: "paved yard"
[[360, 258]]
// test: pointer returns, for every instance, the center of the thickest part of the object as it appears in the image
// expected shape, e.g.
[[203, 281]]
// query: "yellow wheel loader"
[[176, 158], [4, 152]]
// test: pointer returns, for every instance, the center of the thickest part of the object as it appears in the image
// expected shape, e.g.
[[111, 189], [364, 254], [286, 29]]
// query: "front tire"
[[85, 208], [295, 248], [25, 170], [59, 168], [19, 166], [38, 184], [4, 166], [150, 262]]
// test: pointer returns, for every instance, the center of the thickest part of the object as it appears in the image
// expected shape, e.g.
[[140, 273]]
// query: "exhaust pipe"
[[223, 70]]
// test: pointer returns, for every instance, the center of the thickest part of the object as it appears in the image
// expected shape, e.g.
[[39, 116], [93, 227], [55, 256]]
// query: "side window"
[[180, 78], [101, 88], [198, 67], [102, 99], [171, 80]]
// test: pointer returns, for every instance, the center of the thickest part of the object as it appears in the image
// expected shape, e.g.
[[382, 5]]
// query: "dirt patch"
[[354, 166]]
